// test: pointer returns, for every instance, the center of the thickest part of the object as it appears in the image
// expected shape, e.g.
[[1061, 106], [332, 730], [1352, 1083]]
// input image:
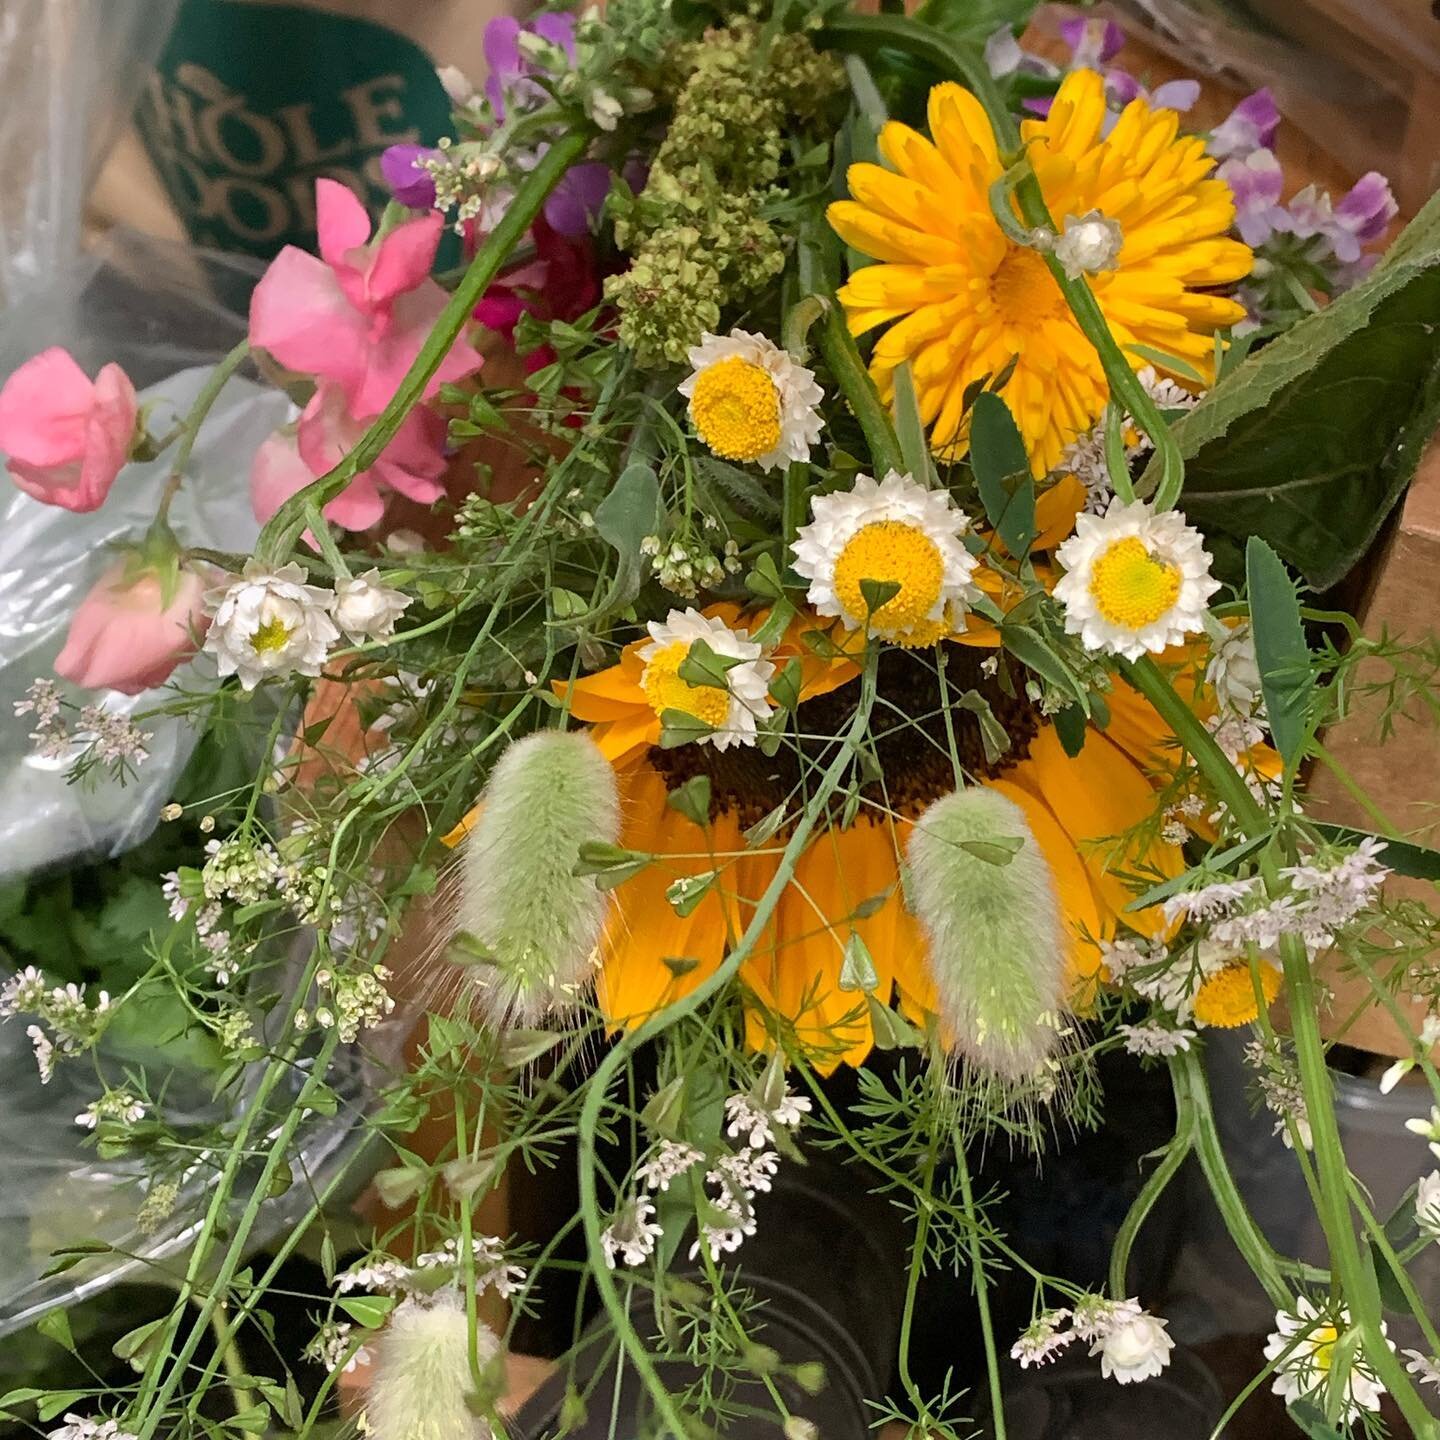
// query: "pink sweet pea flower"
[[358, 313], [66, 436], [412, 464], [128, 635]]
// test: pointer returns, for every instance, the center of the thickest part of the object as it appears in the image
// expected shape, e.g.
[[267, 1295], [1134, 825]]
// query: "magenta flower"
[[1250, 126], [358, 314], [66, 436], [1256, 182], [407, 179], [412, 464]]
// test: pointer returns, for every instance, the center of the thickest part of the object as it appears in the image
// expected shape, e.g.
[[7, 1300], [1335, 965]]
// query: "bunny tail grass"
[[983, 893], [527, 923]]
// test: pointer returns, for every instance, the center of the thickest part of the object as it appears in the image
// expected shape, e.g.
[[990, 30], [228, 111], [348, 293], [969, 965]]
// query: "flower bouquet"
[[875, 620]]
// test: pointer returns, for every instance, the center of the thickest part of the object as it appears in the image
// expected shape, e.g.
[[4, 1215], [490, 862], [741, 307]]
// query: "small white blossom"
[[744, 1175], [331, 1348], [44, 1052], [1154, 1039], [1136, 1348], [367, 610], [1427, 1204], [1424, 1368], [78, 1427], [748, 1117], [1303, 1347], [669, 1160], [270, 623], [603, 109], [632, 1233], [119, 1106], [1089, 245], [1095, 1316], [116, 739], [1042, 1340]]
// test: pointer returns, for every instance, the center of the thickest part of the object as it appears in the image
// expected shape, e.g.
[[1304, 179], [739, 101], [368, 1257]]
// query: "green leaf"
[[520, 1048], [629, 513], [134, 1343], [56, 1402], [1280, 648], [857, 969], [611, 865], [766, 828], [785, 684], [1404, 857], [747, 494], [1221, 864], [702, 667], [1036, 654], [1000, 851], [692, 799], [1002, 472], [1310, 440], [994, 738], [1166, 361], [687, 892], [397, 1185], [1311, 1421], [368, 1311], [763, 580], [55, 1325], [878, 593], [909, 428], [680, 727], [1071, 727], [976, 20], [1392, 1297]]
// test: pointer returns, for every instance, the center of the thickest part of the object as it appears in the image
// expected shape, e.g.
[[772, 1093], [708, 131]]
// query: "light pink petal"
[[414, 461], [301, 316], [340, 222], [359, 506], [43, 406], [276, 473], [402, 260], [328, 432], [109, 429], [413, 317]]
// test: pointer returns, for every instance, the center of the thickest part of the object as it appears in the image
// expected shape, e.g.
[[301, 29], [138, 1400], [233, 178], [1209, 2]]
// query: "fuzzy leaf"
[[1310, 440], [1002, 472], [1280, 649], [629, 513]]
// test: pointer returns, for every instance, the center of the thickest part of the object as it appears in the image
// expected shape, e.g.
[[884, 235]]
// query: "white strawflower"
[[731, 706], [1089, 245], [1136, 1349], [270, 623], [750, 401], [367, 610], [1307, 1340], [420, 1381], [1135, 580], [892, 532], [1233, 672], [631, 1233], [1427, 1205]]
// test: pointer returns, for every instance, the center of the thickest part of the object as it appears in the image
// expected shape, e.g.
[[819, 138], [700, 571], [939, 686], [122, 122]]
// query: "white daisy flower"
[[731, 709], [892, 532], [367, 610], [1307, 1342], [1135, 1349], [750, 401], [1135, 580], [270, 623]]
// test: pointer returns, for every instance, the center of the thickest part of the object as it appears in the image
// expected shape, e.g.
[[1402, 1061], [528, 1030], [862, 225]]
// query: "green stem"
[[278, 536], [229, 1355], [1176, 1153], [982, 1296], [189, 428], [850, 373], [599, 1085], [795, 503], [1381, 1241]]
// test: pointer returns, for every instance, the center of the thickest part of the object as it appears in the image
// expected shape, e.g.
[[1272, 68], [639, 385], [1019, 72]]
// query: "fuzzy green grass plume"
[[531, 924], [983, 893]]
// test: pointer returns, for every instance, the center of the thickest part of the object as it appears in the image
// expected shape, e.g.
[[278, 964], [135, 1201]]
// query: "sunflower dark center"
[[907, 737]]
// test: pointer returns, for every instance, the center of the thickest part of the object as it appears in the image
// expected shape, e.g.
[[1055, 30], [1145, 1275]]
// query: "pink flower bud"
[[66, 436], [126, 637]]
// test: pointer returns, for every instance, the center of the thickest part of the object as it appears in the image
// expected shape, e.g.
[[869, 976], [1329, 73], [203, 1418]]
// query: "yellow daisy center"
[[1022, 286], [665, 690], [1131, 588], [892, 552], [1227, 999], [271, 635], [736, 409], [1323, 1339]]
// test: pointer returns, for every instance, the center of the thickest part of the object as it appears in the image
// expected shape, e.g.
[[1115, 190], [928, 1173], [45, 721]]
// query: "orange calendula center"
[[1022, 287], [1227, 999], [271, 635], [665, 690], [1131, 588], [890, 552], [736, 409]]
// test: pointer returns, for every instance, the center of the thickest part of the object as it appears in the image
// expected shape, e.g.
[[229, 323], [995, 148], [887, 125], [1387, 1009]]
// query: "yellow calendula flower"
[[1225, 998], [961, 300]]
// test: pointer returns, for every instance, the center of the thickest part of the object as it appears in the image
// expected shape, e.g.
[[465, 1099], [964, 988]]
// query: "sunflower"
[[963, 301], [848, 880]]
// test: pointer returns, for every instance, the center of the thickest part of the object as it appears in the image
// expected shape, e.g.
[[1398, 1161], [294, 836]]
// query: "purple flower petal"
[[408, 182], [1368, 208], [558, 29], [1175, 95], [1256, 183], [1250, 126], [1091, 42], [576, 201]]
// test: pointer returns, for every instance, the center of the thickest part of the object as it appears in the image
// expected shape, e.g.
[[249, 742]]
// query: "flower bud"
[[420, 1380], [983, 893], [133, 629], [531, 924]]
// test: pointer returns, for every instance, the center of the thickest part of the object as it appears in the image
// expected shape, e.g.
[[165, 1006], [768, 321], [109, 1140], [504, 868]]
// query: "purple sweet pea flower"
[[510, 72], [410, 183], [575, 202], [1362, 216], [1256, 182], [1092, 42], [1250, 126]]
